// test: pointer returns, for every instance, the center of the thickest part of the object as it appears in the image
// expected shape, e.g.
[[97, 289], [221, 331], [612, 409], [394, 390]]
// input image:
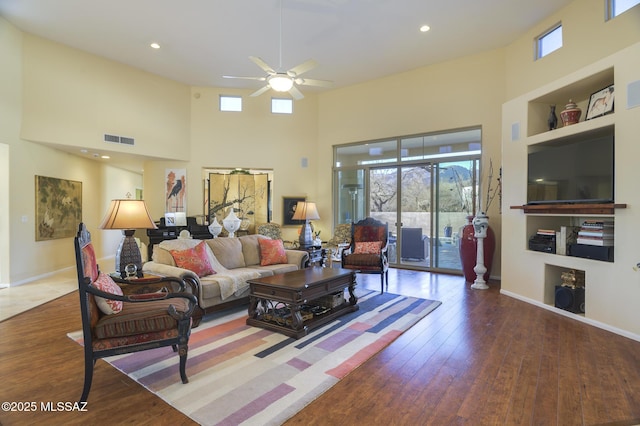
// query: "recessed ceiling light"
[[155, 45], [425, 28], [84, 151], [105, 157]]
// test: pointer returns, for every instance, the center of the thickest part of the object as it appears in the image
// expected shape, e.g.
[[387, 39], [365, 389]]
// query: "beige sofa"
[[234, 260]]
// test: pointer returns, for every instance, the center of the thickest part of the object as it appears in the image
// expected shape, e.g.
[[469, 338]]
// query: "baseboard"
[[580, 318], [104, 260]]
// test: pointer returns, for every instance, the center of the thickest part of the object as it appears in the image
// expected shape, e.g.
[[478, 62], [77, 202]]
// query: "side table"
[[317, 255], [148, 283]]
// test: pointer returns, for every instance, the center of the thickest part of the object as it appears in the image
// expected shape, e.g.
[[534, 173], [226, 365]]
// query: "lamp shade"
[[306, 211], [127, 214]]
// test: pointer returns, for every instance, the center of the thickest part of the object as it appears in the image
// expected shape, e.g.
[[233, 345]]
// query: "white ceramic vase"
[[231, 223], [215, 228]]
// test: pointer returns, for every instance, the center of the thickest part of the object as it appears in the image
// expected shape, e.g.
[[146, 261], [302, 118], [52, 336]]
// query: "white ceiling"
[[352, 40]]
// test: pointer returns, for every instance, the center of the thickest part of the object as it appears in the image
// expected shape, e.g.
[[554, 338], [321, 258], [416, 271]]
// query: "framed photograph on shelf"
[[600, 103], [288, 209]]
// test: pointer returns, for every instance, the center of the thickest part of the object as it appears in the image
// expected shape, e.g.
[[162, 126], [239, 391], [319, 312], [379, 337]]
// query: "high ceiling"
[[352, 40], [201, 40]]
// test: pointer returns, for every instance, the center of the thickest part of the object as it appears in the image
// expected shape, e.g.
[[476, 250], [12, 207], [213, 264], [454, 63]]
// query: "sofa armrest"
[[162, 269], [297, 257]]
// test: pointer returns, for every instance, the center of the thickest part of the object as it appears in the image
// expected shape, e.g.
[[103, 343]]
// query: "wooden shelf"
[[586, 209]]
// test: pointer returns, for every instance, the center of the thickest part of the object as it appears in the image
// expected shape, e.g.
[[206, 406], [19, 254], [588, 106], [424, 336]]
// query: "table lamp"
[[306, 211], [128, 215]]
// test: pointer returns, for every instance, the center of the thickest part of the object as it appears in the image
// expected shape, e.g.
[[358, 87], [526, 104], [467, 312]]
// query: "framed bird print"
[[175, 190], [58, 208]]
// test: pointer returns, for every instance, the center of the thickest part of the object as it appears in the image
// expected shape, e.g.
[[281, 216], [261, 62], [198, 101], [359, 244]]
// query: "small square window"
[[281, 106], [616, 7], [549, 41], [230, 103]]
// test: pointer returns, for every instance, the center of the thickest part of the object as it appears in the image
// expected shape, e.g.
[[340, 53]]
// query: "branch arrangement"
[[492, 192]]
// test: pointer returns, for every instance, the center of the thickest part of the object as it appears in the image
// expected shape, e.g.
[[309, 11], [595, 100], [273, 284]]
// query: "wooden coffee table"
[[295, 302]]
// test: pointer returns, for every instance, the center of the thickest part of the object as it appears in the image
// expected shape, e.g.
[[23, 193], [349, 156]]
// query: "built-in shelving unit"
[[534, 275], [574, 208]]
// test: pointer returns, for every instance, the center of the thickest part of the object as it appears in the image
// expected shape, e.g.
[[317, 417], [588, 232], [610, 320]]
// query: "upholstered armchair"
[[270, 229], [342, 234], [367, 252], [114, 324], [341, 238]]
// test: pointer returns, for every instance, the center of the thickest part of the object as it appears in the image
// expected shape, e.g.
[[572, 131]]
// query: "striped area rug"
[[245, 375]]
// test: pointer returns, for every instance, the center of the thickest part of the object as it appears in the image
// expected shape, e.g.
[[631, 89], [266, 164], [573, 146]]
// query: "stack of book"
[[596, 233], [549, 232]]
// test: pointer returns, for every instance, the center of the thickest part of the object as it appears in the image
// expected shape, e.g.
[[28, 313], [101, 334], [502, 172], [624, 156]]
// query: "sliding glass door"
[[423, 187]]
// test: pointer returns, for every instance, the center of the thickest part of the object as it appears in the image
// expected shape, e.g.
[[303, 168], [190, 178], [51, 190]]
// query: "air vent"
[[119, 139]]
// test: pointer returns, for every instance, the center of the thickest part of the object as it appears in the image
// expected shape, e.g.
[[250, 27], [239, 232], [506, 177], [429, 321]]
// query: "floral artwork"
[[58, 208]]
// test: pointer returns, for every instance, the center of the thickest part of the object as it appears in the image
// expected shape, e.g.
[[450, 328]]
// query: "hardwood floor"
[[480, 358]]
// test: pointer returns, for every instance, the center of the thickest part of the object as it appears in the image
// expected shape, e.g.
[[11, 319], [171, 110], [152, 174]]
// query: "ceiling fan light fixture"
[[281, 83]]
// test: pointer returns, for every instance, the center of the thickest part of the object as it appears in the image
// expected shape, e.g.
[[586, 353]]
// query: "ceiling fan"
[[282, 81]]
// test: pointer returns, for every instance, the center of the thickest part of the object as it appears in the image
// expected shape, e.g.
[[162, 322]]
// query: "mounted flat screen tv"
[[578, 169]]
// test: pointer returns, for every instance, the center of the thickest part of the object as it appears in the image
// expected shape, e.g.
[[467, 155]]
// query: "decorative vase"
[[467, 245], [552, 121], [231, 223], [570, 114], [215, 228]]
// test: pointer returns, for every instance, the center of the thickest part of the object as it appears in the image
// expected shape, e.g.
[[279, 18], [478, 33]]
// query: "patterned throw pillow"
[[368, 247], [89, 262], [194, 259], [106, 284], [271, 252]]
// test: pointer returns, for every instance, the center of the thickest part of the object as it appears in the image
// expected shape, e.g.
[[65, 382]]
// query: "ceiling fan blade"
[[297, 95], [312, 82], [260, 91], [302, 68], [262, 64], [245, 78]]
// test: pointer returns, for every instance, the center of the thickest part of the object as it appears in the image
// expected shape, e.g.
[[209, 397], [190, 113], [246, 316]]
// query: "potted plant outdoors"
[[478, 237]]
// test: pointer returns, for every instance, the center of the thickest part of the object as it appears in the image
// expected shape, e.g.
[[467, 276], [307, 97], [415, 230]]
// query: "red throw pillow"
[[272, 252], [106, 284], [194, 259], [368, 247]]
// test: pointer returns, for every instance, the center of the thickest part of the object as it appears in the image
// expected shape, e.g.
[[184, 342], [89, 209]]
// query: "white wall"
[[21, 257], [72, 98], [254, 138]]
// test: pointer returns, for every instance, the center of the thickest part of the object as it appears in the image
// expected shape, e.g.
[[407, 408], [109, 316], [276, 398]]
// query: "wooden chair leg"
[[182, 350], [88, 378]]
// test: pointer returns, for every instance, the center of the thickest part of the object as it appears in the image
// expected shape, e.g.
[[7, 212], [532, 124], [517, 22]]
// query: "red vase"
[[468, 246]]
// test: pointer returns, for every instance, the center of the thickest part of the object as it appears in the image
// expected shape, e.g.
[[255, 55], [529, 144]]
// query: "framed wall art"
[[288, 209], [175, 190], [600, 103], [58, 208]]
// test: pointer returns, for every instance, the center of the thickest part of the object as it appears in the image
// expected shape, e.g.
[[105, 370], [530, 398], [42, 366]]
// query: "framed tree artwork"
[[58, 208]]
